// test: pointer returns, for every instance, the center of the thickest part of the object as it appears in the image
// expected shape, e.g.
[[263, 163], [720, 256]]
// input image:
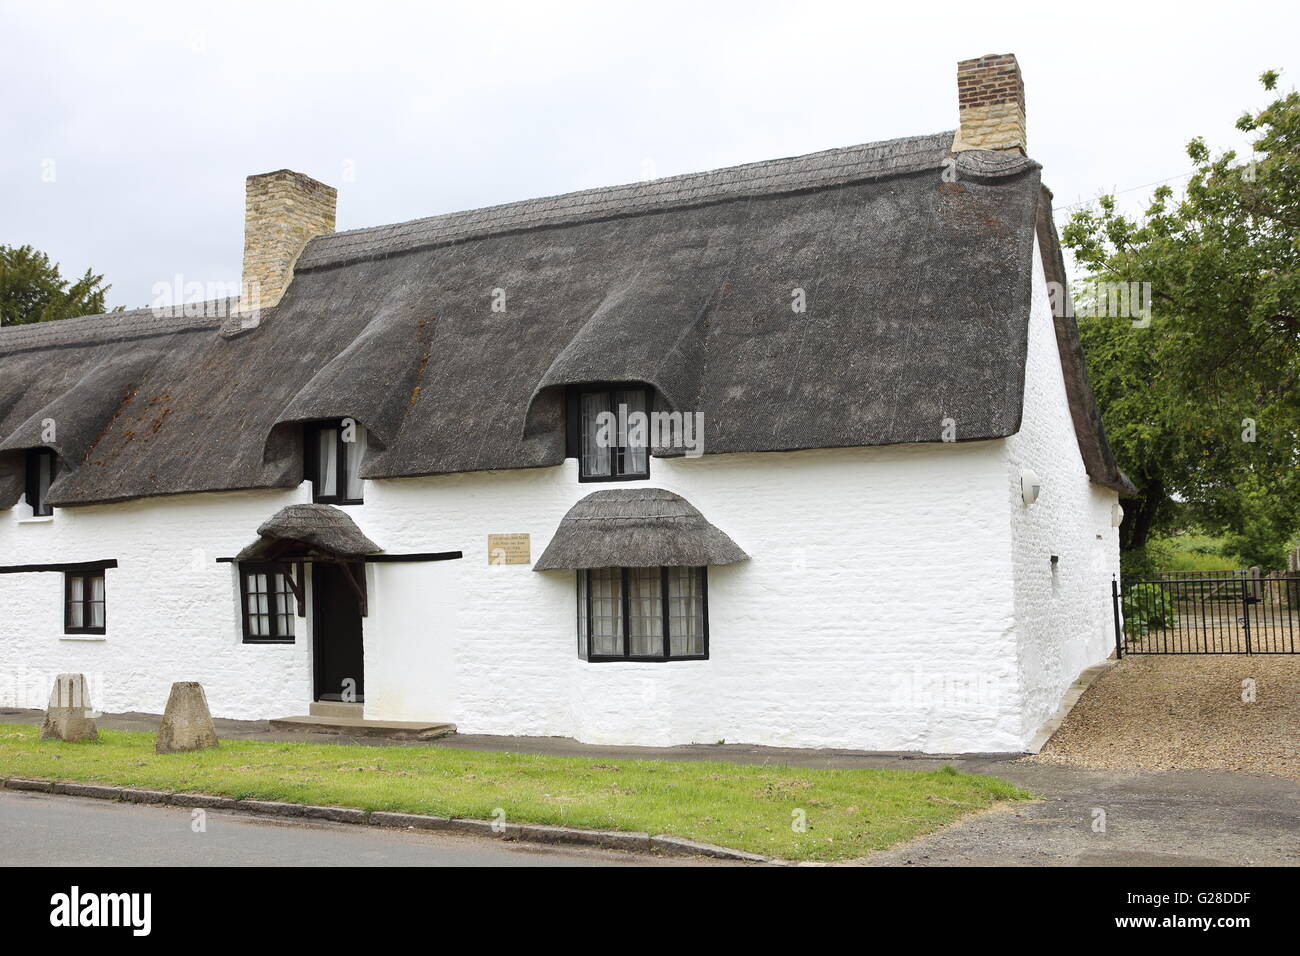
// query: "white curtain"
[[96, 602], [645, 612], [595, 455], [76, 609], [686, 611], [606, 612], [356, 451], [327, 471], [637, 443]]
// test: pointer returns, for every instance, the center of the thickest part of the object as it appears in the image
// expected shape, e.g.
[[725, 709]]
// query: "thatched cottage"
[[791, 453]]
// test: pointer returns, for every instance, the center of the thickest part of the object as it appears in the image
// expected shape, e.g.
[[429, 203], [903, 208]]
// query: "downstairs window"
[[269, 604], [83, 603], [643, 614]]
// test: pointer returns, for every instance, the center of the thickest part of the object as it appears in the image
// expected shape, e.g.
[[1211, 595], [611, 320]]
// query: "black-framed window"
[[643, 614], [600, 438], [268, 602], [332, 457], [42, 466], [84, 602]]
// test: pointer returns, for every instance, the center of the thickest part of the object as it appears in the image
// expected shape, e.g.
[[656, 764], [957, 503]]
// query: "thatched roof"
[[308, 530], [636, 528], [918, 294]]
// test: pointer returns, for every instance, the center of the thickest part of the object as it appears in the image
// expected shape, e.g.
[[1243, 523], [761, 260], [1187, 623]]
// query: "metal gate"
[[1208, 612]]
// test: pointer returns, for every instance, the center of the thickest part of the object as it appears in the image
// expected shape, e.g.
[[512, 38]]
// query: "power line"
[[1132, 189]]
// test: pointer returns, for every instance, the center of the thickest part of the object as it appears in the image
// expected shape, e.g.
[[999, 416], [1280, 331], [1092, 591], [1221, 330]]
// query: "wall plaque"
[[509, 549]]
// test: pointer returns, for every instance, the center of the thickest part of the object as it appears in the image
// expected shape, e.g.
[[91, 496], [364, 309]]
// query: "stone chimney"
[[991, 101], [282, 211]]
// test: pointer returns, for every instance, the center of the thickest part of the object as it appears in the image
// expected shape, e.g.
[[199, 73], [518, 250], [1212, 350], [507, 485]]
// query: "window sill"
[[596, 479], [642, 660], [84, 637], [43, 519]]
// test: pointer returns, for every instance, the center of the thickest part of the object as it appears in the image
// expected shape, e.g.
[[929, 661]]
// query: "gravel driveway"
[[1186, 713]]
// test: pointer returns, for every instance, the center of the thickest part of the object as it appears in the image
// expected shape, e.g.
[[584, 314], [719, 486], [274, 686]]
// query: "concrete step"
[[334, 708], [357, 727]]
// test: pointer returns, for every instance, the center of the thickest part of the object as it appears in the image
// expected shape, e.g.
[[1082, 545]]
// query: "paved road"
[[46, 830], [1181, 818]]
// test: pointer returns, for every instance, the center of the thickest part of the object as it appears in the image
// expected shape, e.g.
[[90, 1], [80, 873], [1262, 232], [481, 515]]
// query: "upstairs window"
[[42, 466], [269, 603], [643, 614], [83, 603], [608, 432], [333, 454]]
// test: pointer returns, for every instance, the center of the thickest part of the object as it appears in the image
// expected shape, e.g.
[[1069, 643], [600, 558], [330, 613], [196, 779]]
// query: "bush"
[[1147, 606]]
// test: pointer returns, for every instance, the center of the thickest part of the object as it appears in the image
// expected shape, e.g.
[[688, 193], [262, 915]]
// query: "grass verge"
[[848, 812]]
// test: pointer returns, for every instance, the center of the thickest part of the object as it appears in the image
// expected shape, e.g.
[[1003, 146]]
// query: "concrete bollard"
[[66, 718], [186, 723]]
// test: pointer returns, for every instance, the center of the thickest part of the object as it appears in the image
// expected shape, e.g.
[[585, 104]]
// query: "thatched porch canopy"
[[636, 528], [309, 532]]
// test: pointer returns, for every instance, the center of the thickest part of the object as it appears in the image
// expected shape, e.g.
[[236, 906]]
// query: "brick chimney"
[[282, 211], [991, 101]]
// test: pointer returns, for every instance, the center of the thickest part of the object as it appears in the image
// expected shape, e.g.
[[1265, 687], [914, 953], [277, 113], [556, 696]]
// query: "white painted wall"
[[896, 599], [873, 572], [859, 592], [172, 611], [1066, 625]]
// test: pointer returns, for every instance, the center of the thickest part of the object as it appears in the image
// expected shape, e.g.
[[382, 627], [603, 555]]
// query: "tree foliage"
[[1201, 405], [32, 290]]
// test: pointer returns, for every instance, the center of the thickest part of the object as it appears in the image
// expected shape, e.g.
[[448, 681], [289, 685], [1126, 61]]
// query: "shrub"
[[1147, 606]]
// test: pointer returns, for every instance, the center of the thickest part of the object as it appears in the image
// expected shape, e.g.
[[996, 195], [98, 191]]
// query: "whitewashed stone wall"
[[896, 599], [875, 574], [172, 611], [1064, 624]]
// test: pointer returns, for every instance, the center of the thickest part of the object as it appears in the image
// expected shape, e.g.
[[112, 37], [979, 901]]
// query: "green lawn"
[[849, 812]]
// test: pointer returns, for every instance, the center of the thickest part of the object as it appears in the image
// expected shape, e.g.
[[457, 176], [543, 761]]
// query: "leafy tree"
[[1201, 404], [32, 290]]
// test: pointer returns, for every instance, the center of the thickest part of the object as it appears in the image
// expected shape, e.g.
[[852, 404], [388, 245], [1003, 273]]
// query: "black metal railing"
[[1208, 612]]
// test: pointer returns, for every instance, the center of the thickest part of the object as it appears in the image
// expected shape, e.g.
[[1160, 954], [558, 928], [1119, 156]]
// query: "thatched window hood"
[[312, 532], [649, 328], [636, 528]]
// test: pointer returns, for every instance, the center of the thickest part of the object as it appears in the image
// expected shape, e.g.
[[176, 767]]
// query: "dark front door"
[[336, 633]]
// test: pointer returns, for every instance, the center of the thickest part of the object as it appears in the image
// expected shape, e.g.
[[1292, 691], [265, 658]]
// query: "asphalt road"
[[47, 830]]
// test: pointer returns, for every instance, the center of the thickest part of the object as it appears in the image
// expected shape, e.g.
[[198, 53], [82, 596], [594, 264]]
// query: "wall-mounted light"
[[1116, 514], [1030, 486]]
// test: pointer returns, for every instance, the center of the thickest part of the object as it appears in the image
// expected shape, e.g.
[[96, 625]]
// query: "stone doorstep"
[[359, 727], [523, 832]]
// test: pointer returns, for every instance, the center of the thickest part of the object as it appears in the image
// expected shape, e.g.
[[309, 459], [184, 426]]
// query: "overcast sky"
[[147, 117]]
